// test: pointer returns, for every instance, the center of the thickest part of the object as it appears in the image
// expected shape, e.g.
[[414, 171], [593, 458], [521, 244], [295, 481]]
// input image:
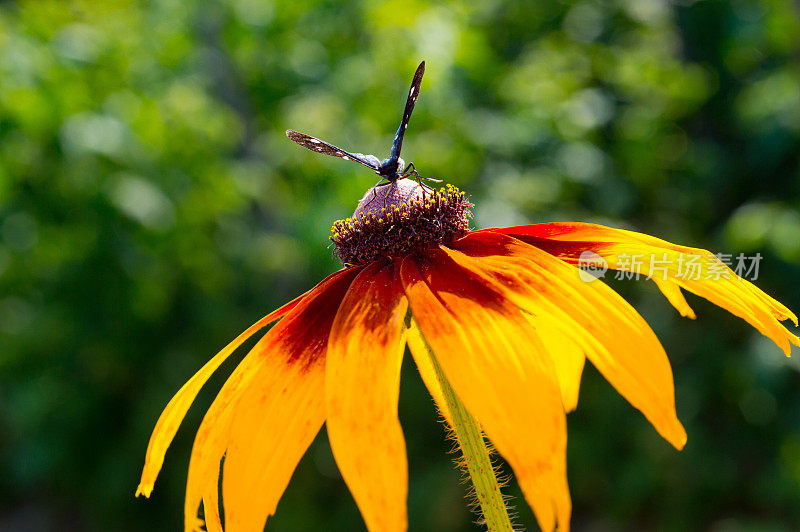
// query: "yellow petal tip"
[[144, 489], [679, 440]]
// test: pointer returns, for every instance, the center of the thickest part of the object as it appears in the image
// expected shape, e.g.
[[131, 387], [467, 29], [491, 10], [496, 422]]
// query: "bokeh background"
[[151, 208]]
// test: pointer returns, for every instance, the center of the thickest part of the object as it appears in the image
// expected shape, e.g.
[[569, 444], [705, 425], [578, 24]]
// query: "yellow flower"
[[511, 323]]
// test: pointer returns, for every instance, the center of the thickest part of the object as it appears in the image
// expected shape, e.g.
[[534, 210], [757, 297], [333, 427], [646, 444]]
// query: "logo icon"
[[591, 266]]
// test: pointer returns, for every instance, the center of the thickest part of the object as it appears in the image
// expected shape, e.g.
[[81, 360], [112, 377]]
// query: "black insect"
[[390, 168]]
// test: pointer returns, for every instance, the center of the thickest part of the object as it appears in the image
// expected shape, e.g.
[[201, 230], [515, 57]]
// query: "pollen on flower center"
[[399, 219]]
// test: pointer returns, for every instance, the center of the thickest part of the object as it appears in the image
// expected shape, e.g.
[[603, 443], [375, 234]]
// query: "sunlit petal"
[[567, 355], [266, 414], [213, 521], [675, 264], [487, 350], [362, 383], [416, 344], [212, 439], [170, 419], [606, 328]]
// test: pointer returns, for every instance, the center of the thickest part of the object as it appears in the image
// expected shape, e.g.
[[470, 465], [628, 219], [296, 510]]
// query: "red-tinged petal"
[[362, 384], [170, 419], [674, 264], [605, 327], [266, 414], [488, 351], [416, 344]]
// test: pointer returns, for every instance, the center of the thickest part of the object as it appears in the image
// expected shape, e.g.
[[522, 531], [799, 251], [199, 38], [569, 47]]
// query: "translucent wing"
[[413, 94], [320, 146]]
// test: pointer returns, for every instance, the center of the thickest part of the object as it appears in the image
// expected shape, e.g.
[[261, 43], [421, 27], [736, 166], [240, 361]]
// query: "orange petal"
[[672, 263], [499, 369], [362, 384], [170, 419], [274, 422], [590, 315], [265, 415], [210, 443], [213, 522], [416, 344]]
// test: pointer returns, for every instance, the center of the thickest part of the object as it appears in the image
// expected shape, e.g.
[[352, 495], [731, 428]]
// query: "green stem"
[[476, 456]]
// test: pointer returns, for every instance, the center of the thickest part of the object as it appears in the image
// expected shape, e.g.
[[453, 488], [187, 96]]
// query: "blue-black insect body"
[[390, 169]]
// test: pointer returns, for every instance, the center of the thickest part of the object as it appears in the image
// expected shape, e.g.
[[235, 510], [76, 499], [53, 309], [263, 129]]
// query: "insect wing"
[[366, 159], [413, 94], [320, 146]]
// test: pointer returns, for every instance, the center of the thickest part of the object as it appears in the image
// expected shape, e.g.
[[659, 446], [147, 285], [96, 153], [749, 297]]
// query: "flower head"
[[406, 219], [511, 323]]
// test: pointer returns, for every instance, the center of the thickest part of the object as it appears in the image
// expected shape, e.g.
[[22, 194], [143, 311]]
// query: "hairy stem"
[[476, 456]]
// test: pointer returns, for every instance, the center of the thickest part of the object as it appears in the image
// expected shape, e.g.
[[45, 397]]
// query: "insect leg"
[[391, 184], [411, 170], [380, 183]]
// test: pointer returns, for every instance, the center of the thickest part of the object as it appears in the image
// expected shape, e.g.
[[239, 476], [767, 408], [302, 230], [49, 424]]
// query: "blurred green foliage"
[[151, 208]]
